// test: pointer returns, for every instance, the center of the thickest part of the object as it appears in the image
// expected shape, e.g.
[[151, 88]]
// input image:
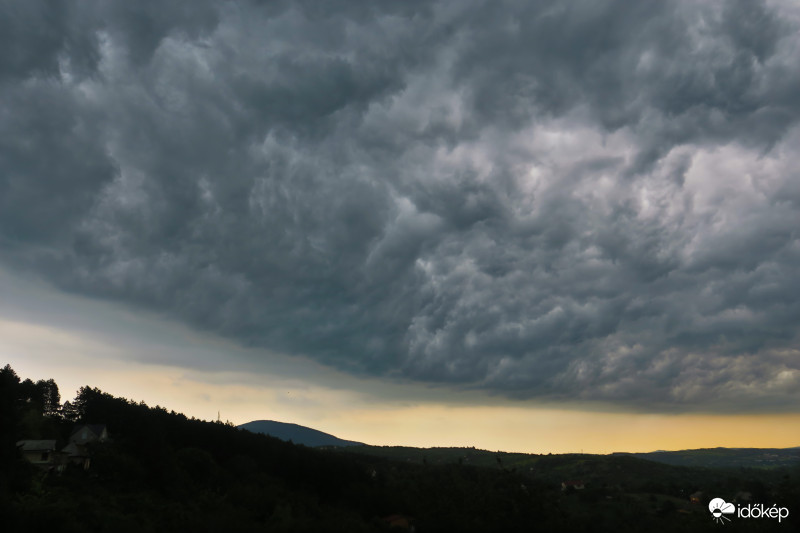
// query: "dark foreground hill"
[[296, 433], [162, 471]]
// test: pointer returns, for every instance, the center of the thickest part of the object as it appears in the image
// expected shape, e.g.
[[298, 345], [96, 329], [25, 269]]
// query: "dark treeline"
[[162, 471]]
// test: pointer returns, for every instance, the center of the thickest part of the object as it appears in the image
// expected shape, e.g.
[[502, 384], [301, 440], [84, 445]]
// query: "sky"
[[526, 226]]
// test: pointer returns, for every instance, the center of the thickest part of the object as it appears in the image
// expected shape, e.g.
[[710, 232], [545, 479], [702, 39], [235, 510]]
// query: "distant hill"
[[296, 433], [726, 457], [760, 458]]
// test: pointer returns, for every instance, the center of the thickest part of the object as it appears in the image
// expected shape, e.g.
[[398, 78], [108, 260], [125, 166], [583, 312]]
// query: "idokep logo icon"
[[719, 508]]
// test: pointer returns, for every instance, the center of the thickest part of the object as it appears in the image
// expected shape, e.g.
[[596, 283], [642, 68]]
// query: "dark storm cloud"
[[584, 200]]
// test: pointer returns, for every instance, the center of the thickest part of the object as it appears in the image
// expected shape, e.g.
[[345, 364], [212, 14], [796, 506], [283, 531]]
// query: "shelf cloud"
[[584, 201]]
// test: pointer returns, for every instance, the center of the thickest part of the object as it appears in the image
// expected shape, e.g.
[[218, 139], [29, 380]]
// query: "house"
[[77, 451], [697, 497], [573, 484], [86, 433], [44, 453], [76, 454], [40, 452]]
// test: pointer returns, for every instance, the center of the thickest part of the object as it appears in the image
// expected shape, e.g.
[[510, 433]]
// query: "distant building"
[[697, 497], [77, 451], [86, 433], [77, 454], [573, 484], [40, 452], [44, 453]]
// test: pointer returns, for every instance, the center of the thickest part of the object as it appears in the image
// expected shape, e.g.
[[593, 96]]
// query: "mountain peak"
[[296, 433]]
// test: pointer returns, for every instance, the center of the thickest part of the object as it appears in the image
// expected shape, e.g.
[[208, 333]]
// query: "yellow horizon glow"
[[74, 359]]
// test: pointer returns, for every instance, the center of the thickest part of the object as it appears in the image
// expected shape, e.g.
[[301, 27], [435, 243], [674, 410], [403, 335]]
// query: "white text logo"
[[719, 508]]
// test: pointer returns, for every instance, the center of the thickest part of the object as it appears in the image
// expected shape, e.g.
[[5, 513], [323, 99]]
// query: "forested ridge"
[[163, 471]]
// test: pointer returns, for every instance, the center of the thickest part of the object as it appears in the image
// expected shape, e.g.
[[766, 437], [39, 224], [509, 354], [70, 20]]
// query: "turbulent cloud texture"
[[591, 200]]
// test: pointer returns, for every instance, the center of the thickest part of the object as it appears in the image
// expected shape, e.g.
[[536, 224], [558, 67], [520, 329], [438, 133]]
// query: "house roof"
[[75, 450], [37, 445], [97, 429]]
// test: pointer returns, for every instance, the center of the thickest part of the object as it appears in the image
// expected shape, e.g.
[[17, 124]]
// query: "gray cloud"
[[588, 201]]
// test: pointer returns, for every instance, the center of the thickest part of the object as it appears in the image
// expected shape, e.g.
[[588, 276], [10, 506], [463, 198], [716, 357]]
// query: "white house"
[[39, 452]]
